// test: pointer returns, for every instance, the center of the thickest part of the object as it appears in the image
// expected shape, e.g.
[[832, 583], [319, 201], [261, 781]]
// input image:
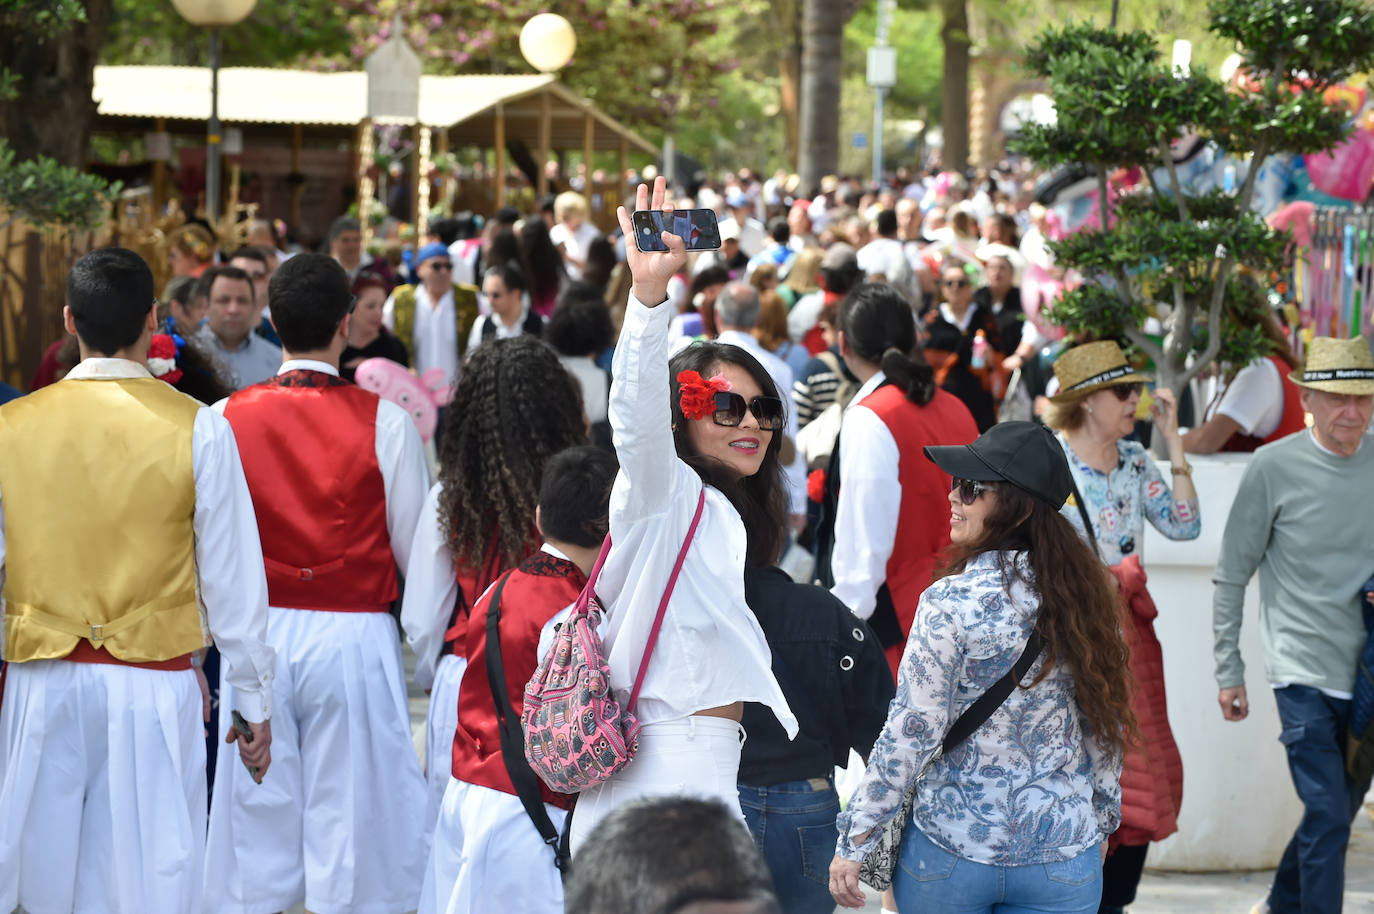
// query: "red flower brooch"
[[698, 395], [162, 358]]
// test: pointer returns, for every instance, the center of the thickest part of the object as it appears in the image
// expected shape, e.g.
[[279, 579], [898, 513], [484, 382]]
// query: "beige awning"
[[467, 104]]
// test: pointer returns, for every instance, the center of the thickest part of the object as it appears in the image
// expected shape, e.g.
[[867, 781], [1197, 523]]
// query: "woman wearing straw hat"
[[1093, 412]]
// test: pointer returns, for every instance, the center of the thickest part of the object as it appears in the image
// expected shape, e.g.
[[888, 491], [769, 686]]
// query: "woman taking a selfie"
[[1015, 816], [710, 421]]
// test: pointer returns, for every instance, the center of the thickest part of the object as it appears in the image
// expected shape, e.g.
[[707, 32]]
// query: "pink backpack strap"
[[663, 604]]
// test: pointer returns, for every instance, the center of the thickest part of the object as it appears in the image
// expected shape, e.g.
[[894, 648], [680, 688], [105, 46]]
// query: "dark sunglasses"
[[730, 409], [956, 283], [1123, 391], [441, 264], [352, 304], [968, 489]]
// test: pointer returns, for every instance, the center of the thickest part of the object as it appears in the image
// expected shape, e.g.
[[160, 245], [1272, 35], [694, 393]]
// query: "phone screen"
[[696, 227]]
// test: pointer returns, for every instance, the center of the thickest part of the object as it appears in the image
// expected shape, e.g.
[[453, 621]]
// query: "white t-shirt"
[[1254, 399], [574, 244]]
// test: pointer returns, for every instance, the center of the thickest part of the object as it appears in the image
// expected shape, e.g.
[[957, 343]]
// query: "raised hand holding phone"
[[652, 270]]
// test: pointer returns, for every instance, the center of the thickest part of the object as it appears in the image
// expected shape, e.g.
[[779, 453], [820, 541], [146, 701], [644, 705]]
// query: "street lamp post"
[[882, 76], [214, 15], [547, 42]]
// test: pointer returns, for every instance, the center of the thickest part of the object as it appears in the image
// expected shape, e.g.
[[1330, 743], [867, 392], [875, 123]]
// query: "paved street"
[[1160, 893]]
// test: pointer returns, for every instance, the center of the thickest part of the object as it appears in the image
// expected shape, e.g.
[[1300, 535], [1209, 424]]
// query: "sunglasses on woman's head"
[[1124, 391], [968, 489], [730, 408]]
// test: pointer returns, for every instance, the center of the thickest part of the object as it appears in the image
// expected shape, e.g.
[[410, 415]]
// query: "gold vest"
[[99, 495]]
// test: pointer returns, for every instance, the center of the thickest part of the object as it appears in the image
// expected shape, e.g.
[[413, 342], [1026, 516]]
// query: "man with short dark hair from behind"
[[338, 477], [231, 315], [485, 844], [127, 541], [670, 855]]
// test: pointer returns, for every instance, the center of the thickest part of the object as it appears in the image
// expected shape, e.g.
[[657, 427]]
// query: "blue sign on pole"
[[859, 141]]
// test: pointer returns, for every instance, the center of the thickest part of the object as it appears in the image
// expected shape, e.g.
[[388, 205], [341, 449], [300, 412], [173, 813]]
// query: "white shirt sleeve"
[[651, 475], [475, 335], [233, 581], [389, 315], [1254, 399], [431, 590], [405, 476], [869, 507]]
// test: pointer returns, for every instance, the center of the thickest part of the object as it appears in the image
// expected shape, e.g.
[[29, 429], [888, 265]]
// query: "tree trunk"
[[791, 69], [53, 112], [821, 68], [954, 113]]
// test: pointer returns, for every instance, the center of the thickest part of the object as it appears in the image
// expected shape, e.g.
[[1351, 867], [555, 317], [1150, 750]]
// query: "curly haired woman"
[[1015, 817], [703, 430], [515, 407]]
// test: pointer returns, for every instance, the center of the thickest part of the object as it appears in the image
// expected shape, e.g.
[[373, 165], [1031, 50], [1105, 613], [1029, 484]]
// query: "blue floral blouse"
[[1120, 502], [1029, 786]]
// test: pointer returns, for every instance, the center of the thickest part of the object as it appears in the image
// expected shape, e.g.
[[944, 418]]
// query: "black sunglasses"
[[968, 489], [441, 264], [730, 409], [956, 283], [1124, 391]]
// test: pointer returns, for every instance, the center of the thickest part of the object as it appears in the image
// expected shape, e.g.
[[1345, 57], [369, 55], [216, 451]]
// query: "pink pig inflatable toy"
[[420, 397]]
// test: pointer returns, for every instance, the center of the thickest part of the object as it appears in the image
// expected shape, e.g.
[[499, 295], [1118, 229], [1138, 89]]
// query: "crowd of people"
[[832, 490]]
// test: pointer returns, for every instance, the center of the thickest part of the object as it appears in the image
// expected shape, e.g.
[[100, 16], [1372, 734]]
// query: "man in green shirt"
[[1304, 518]]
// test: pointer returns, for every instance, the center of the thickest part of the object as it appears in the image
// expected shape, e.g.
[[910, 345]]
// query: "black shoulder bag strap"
[[979, 712], [513, 742]]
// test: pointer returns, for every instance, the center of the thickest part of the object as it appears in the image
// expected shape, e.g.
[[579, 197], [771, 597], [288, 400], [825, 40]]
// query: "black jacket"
[[831, 669]]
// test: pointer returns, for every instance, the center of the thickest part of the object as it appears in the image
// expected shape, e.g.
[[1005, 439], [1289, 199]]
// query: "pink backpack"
[[576, 733]]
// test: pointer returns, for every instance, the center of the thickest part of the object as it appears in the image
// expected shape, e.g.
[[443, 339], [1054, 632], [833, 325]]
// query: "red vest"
[[1293, 420], [923, 525], [308, 441], [538, 590]]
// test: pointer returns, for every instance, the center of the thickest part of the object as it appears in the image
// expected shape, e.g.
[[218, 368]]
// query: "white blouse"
[[711, 651]]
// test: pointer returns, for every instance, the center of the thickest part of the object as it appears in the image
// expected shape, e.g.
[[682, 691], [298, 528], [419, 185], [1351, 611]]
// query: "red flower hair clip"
[[162, 358], [698, 395]]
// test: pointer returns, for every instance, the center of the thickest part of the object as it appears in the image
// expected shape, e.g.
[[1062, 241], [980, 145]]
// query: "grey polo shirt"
[[253, 361]]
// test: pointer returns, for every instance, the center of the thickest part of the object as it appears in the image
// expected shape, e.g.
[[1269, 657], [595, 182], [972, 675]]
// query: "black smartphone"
[[246, 734], [698, 228]]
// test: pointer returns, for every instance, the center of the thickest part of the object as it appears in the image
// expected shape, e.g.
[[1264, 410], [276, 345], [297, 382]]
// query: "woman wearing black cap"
[[1014, 816]]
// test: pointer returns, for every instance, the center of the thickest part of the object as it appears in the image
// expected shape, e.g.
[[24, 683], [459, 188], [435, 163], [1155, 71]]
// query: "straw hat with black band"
[[1091, 367], [1337, 366]]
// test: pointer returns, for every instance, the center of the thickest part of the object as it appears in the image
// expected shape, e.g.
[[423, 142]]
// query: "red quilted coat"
[[1152, 778]]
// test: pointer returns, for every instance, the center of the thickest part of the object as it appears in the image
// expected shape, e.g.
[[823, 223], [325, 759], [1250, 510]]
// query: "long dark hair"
[[515, 407], [761, 499], [878, 327], [1078, 605], [543, 263]]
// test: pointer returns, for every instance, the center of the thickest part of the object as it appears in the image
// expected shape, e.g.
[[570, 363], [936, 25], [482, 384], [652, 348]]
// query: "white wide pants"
[[487, 856], [696, 756], [102, 803], [441, 723], [338, 821]]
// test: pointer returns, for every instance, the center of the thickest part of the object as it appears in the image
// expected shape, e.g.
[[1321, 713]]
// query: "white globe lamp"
[[547, 41], [214, 12]]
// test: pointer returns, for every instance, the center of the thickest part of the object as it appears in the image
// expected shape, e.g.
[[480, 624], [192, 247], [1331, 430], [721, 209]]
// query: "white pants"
[[696, 756], [102, 805], [441, 723], [487, 856], [338, 820]]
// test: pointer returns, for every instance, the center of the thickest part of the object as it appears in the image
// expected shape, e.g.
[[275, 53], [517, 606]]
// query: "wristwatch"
[[1185, 470]]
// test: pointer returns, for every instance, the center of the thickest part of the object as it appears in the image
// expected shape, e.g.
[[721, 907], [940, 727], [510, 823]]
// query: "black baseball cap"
[[1024, 454]]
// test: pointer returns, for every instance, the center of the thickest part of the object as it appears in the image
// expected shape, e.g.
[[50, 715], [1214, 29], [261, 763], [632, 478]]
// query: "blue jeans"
[[1311, 875], [930, 878], [794, 825]]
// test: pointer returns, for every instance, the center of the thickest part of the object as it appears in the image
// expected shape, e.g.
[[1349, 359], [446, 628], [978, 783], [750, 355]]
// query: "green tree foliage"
[[38, 188], [1170, 254]]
